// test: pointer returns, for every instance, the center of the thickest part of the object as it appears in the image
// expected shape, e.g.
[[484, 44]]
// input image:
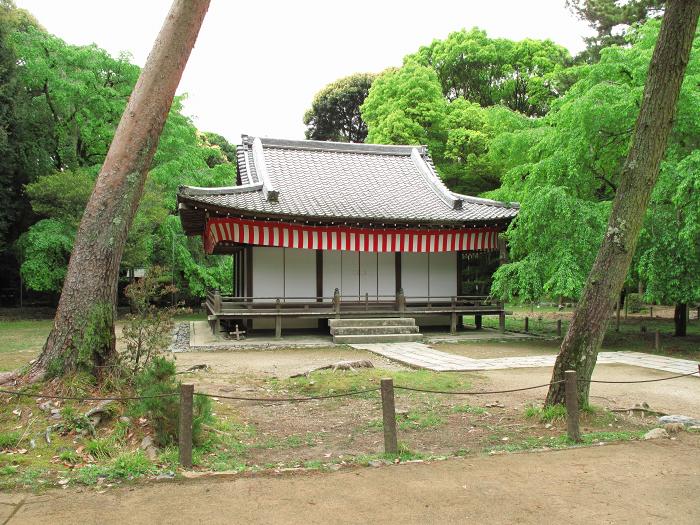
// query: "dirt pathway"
[[643, 482]]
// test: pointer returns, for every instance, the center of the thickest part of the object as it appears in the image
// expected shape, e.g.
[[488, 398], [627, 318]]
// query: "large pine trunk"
[[680, 319], [579, 350], [83, 332]]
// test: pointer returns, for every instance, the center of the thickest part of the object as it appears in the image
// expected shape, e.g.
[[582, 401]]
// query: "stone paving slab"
[[420, 355]]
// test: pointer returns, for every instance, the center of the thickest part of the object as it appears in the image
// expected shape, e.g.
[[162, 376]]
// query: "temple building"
[[325, 231]]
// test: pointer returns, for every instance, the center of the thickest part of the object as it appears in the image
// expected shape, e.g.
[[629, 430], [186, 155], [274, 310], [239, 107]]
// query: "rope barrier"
[[74, 398], [287, 399], [639, 381], [398, 387], [332, 396]]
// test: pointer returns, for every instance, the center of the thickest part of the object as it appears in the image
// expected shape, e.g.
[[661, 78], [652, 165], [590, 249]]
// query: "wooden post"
[[527, 324], [478, 321], [502, 321], [651, 312], [185, 433], [278, 320], [657, 341], [559, 327], [366, 301], [453, 317], [617, 315], [391, 445], [571, 405]]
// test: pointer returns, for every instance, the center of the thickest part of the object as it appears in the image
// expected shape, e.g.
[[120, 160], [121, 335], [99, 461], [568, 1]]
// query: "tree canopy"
[[335, 111], [61, 106], [565, 171]]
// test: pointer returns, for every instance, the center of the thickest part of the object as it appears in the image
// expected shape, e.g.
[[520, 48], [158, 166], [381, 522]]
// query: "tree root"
[[340, 365]]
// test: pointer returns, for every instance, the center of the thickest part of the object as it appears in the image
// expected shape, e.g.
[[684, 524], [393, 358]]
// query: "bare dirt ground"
[[338, 429], [642, 482]]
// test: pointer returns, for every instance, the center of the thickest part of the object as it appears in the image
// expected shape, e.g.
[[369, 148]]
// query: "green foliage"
[[633, 302], [9, 439], [159, 378], [131, 465], [406, 106], [565, 171], [59, 108], [489, 71], [546, 414], [147, 330], [611, 20], [99, 448], [335, 110], [45, 250]]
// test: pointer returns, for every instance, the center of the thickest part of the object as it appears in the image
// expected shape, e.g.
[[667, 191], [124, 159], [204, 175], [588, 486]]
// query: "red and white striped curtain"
[[287, 235]]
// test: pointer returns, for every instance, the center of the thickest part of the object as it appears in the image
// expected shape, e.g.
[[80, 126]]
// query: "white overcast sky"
[[257, 64]]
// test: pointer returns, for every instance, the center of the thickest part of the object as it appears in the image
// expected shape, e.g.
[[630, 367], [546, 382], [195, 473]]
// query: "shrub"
[[148, 328], [157, 378], [634, 302]]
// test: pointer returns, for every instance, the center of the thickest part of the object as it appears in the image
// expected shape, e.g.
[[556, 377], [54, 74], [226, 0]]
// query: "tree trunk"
[[579, 350], [680, 320], [82, 337]]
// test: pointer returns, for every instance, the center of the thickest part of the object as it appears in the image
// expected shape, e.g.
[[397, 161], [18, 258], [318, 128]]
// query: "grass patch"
[[9, 439], [327, 382], [468, 409], [562, 441], [547, 414], [100, 448]]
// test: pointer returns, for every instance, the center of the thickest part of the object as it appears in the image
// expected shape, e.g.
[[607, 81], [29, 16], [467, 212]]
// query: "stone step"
[[385, 338], [391, 321], [373, 330]]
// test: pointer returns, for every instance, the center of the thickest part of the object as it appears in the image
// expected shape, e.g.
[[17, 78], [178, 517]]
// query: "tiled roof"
[[328, 180]]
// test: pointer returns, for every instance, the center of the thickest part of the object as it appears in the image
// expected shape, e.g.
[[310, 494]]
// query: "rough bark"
[[680, 320], [83, 332], [579, 349]]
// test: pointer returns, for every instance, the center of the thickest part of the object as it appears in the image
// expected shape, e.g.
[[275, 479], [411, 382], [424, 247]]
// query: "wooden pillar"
[[478, 321], [278, 321], [249, 282], [397, 271], [319, 284], [460, 286]]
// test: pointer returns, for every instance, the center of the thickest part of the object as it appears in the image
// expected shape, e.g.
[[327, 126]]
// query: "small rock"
[[684, 420], [694, 428], [376, 463], [125, 419], [334, 467], [166, 475], [401, 413], [146, 442], [656, 433], [151, 453], [45, 406], [674, 428], [55, 413]]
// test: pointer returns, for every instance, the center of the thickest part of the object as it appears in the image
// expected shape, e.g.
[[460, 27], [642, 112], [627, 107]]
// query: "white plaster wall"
[[350, 268], [299, 273], [414, 274], [268, 272], [368, 274], [331, 272], [386, 266], [443, 274]]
